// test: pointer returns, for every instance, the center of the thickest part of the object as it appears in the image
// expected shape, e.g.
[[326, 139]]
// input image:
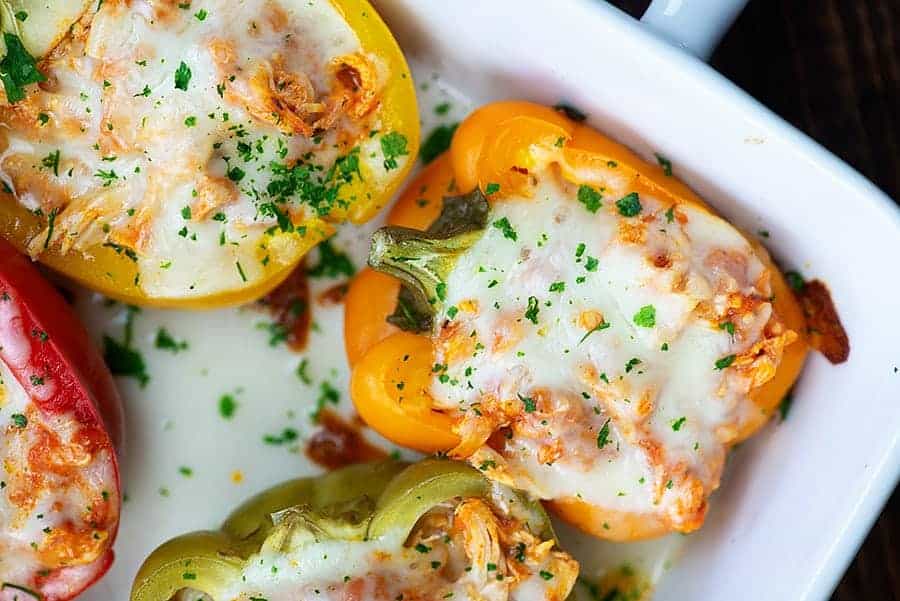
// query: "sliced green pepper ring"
[[357, 503], [206, 561]]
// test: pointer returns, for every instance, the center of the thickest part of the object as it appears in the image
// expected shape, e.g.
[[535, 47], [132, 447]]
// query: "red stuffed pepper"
[[60, 424]]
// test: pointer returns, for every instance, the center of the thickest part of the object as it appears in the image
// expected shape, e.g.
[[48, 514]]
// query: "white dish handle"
[[695, 25]]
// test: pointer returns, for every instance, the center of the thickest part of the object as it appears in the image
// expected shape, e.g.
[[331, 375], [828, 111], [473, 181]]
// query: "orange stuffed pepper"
[[572, 321]]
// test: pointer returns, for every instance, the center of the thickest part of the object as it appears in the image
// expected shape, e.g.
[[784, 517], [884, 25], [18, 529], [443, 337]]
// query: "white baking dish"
[[797, 500]]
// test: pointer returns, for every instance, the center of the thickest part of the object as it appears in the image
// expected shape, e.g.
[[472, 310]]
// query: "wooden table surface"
[[832, 69]]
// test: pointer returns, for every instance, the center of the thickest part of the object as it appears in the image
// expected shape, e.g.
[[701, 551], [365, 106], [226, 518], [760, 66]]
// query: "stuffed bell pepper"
[[572, 321], [380, 532], [190, 153], [60, 423]]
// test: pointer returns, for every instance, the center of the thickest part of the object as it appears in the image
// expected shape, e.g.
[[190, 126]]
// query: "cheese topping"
[[202, 140], [468, 549], [57, 504], [611, 346]]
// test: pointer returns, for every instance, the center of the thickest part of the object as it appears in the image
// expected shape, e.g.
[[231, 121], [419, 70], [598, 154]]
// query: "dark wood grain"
[[832, 69]]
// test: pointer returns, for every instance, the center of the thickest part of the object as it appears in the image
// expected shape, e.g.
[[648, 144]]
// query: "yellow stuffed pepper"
[[190, 154], [573, 321]]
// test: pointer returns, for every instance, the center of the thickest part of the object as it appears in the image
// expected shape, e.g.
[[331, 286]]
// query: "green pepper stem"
[[420, 261]]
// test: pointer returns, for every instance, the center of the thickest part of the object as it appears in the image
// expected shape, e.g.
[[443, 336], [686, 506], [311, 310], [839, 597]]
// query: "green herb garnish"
[[182, 77], [590, 198], [17, 69], [393, 145], [629, 205], [646, 316]]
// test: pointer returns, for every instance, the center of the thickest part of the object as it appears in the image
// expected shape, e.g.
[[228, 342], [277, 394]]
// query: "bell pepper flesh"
[[113, 274], [582, 155], [389, 387], [210, 561]]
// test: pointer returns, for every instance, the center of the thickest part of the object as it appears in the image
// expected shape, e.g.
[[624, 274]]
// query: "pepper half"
[[61, 426], [494, 153], [374, 508], [130, 260]]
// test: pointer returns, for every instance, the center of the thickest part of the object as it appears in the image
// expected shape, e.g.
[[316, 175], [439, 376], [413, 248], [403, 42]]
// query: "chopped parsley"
[[124, 361], [491, 188], [728, 327], [646, 316], [165, 341], [725, 362], [546, 575], [557, 287], [529, 402], [632, 363], [51, 223], [19, 420], [665, 163], [108, 177], [393, 145], [278, 333], [236, 174], [121, 358], [305, 182], [51, 161], [629, 205], [590, 198], [670, 214], [182, 77], [332, 263], [795, 280], [302, 372], [676, 424], [603, 435], [531, 313], [227, 406], [328, 394], [190, 121], [201, 14], [591, 264], [288, 435], [17, 69], [437, 142], [506, 227]]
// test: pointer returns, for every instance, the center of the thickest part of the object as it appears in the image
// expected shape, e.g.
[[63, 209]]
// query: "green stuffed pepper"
[[376, 532]]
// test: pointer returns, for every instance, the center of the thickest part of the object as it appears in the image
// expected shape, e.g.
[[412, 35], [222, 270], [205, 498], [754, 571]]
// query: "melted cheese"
[[57, 496], [460, 550], [166, 133], [601, 345]]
